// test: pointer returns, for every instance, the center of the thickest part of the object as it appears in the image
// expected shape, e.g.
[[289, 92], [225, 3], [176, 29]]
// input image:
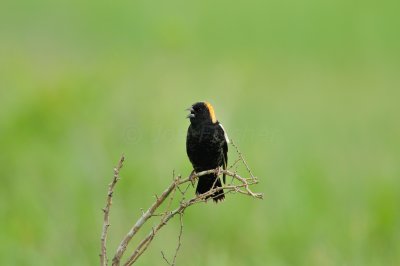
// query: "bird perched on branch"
[[207, 147]]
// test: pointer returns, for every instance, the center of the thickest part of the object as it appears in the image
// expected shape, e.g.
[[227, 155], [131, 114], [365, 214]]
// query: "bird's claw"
[[192, 178], [218, 170]]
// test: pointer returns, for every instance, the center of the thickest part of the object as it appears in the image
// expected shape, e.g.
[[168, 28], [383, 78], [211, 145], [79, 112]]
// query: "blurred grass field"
[[308, 90]]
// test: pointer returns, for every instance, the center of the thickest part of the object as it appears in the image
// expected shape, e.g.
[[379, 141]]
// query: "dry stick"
[[179, 243], [242, 159], [234, 163], [199, 198], [145, 216], [171, 199], [147, 240], [166, 260], [106, 210], [246, 184], [149, 213], [159, 200], [166, 216], [179, 239]]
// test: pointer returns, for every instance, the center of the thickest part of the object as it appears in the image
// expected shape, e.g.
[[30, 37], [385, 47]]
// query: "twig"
[[124, 243], [199, 198], [238, 184], [179, 243], [166, 260], [242, 159], [179, 238], [106, 210], [234, 163]]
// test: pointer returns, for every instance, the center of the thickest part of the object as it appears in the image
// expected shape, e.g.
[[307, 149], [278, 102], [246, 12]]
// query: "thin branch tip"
[[106, 212], [239, 185]]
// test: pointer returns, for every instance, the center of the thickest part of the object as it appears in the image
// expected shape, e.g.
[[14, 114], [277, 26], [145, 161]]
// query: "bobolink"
[[206, 147]]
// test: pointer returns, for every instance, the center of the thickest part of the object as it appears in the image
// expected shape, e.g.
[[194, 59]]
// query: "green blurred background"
[[309, 91]]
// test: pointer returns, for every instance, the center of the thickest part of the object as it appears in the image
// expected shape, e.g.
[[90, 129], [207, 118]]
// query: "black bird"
[[206, 147]]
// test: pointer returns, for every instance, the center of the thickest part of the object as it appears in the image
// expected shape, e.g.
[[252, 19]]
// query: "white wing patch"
[[226, 135]]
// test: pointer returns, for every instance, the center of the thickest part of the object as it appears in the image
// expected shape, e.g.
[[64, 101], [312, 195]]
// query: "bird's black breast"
[[204, 146]]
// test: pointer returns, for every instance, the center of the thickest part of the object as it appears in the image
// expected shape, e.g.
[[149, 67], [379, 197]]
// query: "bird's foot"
[[218, 170], [192, 177]]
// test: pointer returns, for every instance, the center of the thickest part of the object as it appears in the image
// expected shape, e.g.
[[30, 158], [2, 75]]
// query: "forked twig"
[[242, 188], [106, 210], [145, 216], [238, 184], [242, 158], [179, 243]]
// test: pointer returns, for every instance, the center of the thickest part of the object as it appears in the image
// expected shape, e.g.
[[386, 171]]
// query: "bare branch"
[[166, 260], [179, 243], [106, 210], [242, 159], [124, 243], [179, 239], [199, 198], [238, 184]]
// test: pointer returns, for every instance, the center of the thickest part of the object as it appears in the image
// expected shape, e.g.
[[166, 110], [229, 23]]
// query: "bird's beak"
[[191, 110]]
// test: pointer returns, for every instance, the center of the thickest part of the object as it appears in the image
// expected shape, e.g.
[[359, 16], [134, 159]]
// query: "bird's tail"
[[208, 182]]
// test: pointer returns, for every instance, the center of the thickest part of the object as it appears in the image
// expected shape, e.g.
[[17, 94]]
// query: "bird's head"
[[202, 113]]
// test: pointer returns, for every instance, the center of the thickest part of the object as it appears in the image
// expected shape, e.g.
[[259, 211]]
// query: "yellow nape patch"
[[212, 112]]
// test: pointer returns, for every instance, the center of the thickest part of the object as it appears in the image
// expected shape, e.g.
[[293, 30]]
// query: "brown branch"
[[242, 159], [106, 210], [179, 239], [149, 238], [199, 198], [238, 184], [166, 260], [145, 216], [179, 243]]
